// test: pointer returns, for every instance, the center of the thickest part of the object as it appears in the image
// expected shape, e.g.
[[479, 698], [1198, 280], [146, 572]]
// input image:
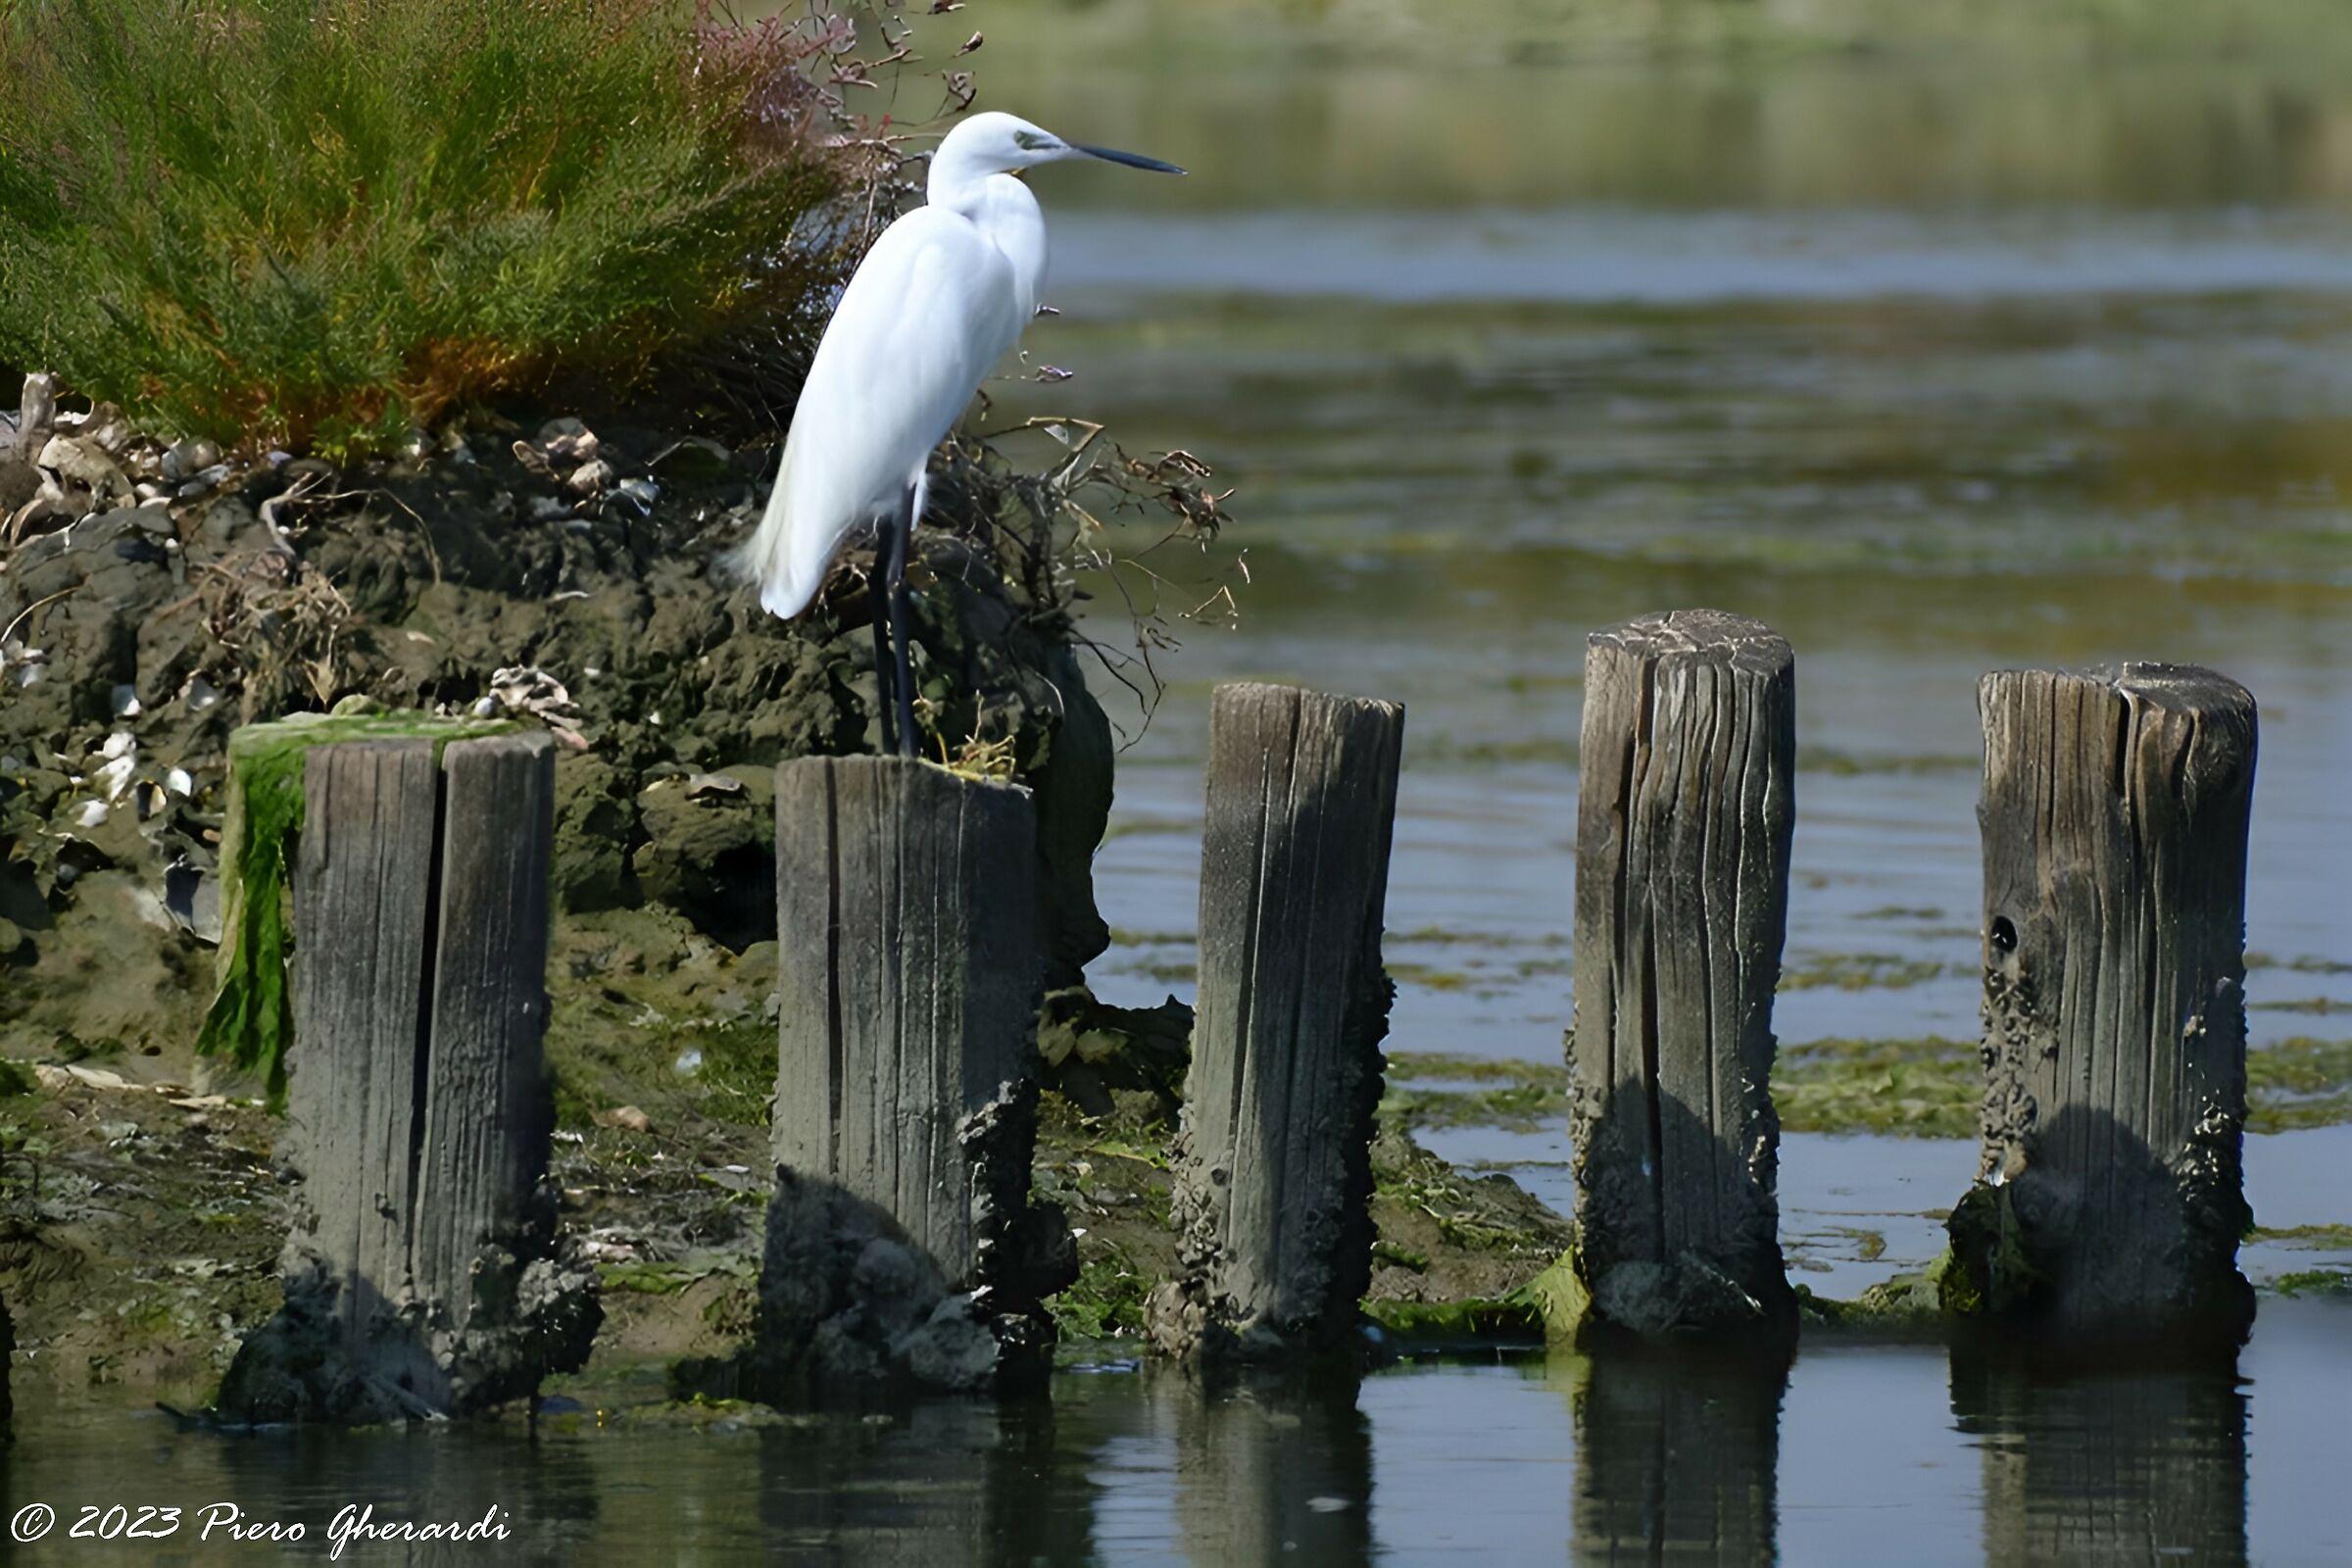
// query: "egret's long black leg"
[[883, 670], [902, 546]]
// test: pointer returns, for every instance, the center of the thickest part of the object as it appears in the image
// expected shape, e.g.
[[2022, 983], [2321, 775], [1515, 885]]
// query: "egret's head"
[[995, 143]]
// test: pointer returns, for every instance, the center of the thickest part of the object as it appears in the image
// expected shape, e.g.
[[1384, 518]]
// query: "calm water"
[[1861, 1453], [1937, 363]]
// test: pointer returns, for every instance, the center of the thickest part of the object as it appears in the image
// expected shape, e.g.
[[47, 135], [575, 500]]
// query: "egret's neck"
[[1002, 209], [956, 177]]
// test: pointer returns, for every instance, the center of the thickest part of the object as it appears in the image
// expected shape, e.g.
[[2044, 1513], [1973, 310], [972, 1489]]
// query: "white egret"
[[938, 300]]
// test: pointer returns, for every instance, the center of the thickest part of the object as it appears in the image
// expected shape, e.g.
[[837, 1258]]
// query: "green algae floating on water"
[[251, 1020], [1928, 1086]]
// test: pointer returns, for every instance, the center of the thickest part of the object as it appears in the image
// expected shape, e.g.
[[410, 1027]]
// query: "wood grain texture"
[[424, 1278], [908, 982], [1274, 1176], [2115, 812], [363, 902], [1686, 807], [489, 1106]]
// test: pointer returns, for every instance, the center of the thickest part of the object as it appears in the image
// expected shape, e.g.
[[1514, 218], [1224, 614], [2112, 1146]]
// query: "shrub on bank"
[[326, 221]]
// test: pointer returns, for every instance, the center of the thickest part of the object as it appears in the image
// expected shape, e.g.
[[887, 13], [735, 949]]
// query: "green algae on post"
[[251, 1020], [1559, 1298]]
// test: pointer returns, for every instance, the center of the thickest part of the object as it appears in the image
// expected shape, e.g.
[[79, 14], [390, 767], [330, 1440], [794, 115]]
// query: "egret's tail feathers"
[[773, 561]]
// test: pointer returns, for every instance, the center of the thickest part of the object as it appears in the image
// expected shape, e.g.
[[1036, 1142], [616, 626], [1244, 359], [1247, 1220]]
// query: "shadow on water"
[[2089, 1464]]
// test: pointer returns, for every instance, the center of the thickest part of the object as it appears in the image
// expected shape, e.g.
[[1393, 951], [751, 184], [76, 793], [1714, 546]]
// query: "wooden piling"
[[423, 1279], [905, 1120], [2115, 813], [1274, 1168], [1685, 812]]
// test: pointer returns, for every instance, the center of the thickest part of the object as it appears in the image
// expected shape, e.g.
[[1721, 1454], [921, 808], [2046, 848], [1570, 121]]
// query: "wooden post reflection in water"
[[2092, 1466], [1677, 1454], [942, 1483], [1274, 1475]]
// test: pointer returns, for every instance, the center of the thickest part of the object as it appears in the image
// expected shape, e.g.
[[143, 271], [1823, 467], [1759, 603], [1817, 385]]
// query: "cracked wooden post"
[[1684, 816], [901, 1240], [1274, 1170], [2115, 810], [425, 1278]]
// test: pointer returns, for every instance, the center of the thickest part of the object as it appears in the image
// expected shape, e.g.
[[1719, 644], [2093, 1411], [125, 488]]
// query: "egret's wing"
[[930, 311]]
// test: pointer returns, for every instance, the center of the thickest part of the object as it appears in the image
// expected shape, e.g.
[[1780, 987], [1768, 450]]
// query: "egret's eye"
[[1030, 141]]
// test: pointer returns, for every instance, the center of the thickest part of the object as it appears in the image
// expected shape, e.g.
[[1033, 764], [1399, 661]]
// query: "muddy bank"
[[141, 1226], [554, 574]]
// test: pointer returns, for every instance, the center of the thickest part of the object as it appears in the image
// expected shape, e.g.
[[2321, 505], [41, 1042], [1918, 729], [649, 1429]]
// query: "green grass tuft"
[[327, 223]]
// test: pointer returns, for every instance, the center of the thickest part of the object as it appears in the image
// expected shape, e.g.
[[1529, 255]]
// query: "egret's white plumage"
[[941, 297]]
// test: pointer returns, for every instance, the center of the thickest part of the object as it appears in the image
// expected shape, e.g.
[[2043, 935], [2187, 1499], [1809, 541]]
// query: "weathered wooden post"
[[424, 1278], [1684, 817], [901, 1240], [2115, 810], [1274, 1172]]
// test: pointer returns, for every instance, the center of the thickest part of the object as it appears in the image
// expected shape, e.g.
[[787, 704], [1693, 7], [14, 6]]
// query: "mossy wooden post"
[[1274, 1169], [905, 1121], [2115, 812], [423, 1280], [1684, 816]]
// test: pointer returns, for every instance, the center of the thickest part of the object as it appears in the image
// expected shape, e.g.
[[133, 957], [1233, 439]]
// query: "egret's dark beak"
[[1110, 155]]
